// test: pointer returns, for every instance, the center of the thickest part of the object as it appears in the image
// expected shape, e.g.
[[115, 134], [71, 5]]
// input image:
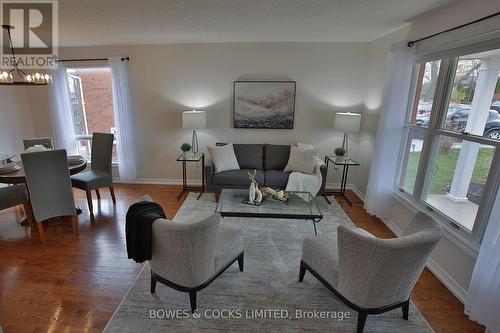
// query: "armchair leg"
[[98, 194], [217, 194], [192, 300], [302, 271], [406, 309], [241, 260], [112, 191], [361, 321], [153, 284]]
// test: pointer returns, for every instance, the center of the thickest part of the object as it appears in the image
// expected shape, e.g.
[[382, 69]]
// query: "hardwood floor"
[[75, 285]]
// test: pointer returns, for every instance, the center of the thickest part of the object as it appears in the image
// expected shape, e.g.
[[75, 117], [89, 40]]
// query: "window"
[[417, 120], [91, 99], [451, 137]]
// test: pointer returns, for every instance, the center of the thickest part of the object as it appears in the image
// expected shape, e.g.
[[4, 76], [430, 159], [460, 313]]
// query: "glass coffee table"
[[230, 205]]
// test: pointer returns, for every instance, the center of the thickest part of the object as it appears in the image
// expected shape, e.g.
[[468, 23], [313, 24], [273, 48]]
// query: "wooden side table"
[[345, 163], [199, 157]]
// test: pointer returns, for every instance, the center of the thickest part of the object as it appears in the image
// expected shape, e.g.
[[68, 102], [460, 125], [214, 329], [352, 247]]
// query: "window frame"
[[435, 129], [88, 137]]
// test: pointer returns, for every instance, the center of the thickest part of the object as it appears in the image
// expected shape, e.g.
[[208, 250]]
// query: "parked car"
[[495, 106], [457, 118]]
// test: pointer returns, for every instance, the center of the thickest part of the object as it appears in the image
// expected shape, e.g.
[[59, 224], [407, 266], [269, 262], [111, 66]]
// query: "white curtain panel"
[[483, 297], [124, 119], [389, 131], [60, 112]]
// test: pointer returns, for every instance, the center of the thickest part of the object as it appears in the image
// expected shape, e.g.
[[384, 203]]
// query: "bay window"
[[451, 139]]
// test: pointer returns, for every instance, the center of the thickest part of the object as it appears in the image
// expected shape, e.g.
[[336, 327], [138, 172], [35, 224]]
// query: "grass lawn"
[[445, 168]]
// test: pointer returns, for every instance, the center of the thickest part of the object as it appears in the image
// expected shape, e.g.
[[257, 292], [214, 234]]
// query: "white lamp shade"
[[347, 122], [194, 119]]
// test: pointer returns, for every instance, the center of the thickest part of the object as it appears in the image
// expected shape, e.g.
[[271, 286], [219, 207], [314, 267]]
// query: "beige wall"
[[15, 119], [167, 79]]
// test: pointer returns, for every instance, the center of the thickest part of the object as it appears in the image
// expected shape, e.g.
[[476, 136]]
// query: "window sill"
[[459, 238]]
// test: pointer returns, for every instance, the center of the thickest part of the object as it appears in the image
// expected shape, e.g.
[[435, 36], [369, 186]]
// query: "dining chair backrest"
[[49, 184], [47, 142], [102, 151]]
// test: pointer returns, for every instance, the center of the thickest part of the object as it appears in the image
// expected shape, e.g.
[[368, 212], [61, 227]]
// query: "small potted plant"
[[339, 154], [185, 147]]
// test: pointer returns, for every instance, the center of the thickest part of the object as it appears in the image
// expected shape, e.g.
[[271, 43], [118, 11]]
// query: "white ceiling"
[[125, 22]]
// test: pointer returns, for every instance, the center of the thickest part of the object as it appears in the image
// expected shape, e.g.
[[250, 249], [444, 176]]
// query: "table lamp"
[[347, 122], [194, 119]]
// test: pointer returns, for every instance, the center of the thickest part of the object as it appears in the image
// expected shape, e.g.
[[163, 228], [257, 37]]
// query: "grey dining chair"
[[100, 174], [368, 274], [49, 186], [45, 141], [188, 256], [14, 195]]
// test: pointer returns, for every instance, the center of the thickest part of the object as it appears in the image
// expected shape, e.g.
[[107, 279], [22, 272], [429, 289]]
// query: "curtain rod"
[[90, 59], [412, 42]]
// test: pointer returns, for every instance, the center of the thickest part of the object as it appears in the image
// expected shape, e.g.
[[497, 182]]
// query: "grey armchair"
[[369, 274], [11, 196], [49, 185], [100, 174], [46, 141], [189, 256]]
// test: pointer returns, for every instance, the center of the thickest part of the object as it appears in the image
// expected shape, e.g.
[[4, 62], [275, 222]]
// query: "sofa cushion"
[[276, 179], [301, 160], [236, 177], [250, 156], [224, 158], [276, 156]]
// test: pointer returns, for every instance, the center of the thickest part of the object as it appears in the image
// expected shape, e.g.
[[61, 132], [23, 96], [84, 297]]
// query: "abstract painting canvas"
[[264, 104]]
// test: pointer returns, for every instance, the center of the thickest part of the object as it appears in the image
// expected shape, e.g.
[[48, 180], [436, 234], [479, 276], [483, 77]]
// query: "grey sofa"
[[369, 274], [269, 161]]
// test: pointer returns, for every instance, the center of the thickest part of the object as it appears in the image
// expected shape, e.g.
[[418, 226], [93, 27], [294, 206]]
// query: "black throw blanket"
[[138, 229]]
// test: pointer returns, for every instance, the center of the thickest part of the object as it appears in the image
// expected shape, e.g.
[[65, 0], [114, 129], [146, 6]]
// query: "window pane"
[[475, 90], [458, 178], [91, 99], [426, 82], [412, 147]]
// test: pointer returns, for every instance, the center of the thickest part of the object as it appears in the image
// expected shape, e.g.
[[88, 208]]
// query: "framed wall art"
[[264, 104]]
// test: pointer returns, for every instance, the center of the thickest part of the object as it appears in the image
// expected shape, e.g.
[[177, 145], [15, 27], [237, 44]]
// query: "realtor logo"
[[34, 32]]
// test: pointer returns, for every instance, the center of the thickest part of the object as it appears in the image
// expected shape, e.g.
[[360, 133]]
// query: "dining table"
[[18, 177]]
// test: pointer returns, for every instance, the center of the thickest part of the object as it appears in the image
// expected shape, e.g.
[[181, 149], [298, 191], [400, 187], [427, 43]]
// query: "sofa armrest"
[[209, 172], [324, 175]]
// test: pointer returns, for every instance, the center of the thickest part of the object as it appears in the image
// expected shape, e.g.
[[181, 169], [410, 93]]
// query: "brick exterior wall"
[[98, 94]]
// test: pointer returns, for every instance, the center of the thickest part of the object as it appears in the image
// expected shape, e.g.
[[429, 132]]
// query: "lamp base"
[[194, 143]]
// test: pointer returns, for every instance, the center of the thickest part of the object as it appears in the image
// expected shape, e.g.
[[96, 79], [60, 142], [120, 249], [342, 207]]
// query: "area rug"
[[266, 297]]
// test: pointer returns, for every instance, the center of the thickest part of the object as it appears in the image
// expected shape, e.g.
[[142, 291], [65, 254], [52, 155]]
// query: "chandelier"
[[25, 79]]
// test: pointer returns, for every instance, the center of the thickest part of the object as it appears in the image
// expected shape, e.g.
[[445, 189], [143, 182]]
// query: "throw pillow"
[[301, 160], [303, 146], [224, 158]]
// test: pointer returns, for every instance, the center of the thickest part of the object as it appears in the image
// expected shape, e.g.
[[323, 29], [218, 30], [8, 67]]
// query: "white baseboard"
[[439, 272], [447, 280], [153, 181], [348, 187]]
